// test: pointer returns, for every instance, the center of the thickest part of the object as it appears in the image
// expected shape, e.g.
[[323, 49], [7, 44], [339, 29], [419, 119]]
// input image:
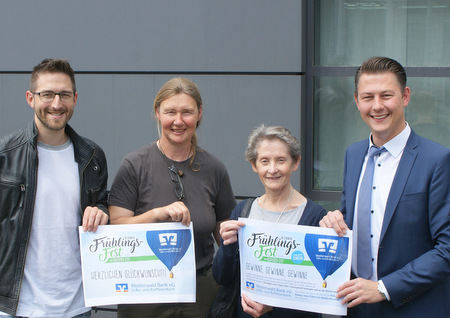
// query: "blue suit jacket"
[[414, 249]]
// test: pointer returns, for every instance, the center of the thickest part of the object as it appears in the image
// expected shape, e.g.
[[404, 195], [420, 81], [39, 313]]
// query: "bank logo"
[[121, 288], [327, 245], [168, 239], [250, 285]]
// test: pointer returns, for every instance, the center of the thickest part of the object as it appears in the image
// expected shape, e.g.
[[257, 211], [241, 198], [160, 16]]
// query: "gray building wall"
[[244, 55]]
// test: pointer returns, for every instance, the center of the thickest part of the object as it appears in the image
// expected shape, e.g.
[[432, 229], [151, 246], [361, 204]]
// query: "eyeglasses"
[[175, 177], [49, 96]]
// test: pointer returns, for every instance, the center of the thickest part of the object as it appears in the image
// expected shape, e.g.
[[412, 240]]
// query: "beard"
[[53, 124]]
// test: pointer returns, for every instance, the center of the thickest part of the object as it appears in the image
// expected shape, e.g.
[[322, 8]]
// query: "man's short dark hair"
[[379, 64], [52, 66]]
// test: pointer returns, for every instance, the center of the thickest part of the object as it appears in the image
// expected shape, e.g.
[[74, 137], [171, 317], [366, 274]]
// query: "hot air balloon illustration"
[[169, 246], [327, 253]]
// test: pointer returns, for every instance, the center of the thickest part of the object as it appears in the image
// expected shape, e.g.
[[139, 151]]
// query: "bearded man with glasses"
[[51, 181]]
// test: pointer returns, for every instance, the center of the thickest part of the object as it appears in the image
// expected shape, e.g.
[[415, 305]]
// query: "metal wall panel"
[[244, 55], [123, 121], [174, 35]]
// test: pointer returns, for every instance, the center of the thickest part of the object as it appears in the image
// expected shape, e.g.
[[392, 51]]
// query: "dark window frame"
[[307, 111]]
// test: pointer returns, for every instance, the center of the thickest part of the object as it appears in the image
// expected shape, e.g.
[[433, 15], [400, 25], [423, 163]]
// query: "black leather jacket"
[[18, 180]]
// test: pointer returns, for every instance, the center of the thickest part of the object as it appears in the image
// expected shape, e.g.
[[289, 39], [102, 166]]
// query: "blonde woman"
[[173, 179]]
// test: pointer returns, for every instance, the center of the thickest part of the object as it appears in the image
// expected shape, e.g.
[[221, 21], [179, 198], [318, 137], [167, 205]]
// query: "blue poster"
[[169, 246], [327, 253]]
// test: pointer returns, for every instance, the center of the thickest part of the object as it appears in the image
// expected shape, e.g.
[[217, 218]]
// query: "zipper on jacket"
[[22, 195]]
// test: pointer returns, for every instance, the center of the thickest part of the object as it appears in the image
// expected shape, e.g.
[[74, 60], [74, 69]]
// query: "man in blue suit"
[[409, 210]]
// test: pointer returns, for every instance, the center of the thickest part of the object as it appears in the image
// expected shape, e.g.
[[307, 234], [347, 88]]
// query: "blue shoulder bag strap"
[[246, 209]]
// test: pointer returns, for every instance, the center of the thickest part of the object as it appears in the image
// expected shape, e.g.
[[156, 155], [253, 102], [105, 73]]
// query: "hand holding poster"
[[292, 266], [139, 263]]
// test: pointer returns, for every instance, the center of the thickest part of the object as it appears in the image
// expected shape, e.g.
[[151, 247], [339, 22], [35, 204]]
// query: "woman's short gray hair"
[[262, 132]]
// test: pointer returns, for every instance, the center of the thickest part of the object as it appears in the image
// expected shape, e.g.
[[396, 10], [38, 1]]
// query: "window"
[[340, 36]]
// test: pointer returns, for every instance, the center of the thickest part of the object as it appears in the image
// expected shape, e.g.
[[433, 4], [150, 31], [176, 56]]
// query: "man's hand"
[[359, 291], [92, 218], [335, 220]]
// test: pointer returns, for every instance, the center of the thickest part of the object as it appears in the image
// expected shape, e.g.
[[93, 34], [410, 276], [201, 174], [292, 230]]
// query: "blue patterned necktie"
[[364, 251]]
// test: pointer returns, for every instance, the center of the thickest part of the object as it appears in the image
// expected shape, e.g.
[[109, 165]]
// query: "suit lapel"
[[400, 179]]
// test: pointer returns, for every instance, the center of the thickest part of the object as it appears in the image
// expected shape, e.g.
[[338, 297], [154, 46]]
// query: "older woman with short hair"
[[274, 154]]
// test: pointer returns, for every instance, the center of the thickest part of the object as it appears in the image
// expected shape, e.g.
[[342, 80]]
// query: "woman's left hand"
[[229, 230], [254, 308]]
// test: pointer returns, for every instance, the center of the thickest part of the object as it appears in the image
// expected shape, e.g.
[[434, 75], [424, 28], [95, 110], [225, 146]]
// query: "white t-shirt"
[[52, 284]]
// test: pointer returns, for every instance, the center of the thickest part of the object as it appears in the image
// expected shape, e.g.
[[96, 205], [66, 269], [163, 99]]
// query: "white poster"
[[293, 266], [138, 263]]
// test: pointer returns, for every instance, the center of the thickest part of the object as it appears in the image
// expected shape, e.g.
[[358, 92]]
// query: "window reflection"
[[338, 124], [428, 111], [413, 32], [416, 33]]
